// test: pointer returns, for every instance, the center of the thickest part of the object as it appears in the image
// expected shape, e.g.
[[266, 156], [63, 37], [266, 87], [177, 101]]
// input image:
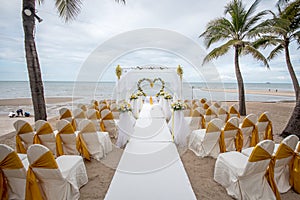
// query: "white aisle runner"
[[150, 167]]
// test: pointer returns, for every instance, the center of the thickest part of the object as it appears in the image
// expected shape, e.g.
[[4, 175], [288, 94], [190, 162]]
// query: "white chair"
[[59, 178], [94, 116], [205, 142], [65, 139], [79, 115], [209, 115], [45, 135], [109, 123], [196, 120], [249, 130], [244, 177], [298, 147], [114, 109], [283, 154], [13, 167], [24, 135], [223, 113], [231, 138], [264, 127], [66, 114], [92, 144], [82, 107], [233, 111]]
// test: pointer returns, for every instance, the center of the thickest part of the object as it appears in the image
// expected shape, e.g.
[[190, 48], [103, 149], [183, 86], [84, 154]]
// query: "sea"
[[84, 92], [107, 90]]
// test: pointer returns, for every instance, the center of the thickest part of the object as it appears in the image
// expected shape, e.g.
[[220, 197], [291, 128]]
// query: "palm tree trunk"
[[293, 125], [33, 66], [291, 70], [242, 103]]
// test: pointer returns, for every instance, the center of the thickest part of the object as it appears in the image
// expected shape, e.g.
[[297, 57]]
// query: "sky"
[[123, 36]]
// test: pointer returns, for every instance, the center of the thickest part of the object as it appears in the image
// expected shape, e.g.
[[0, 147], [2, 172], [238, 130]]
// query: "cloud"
[[64, 48]]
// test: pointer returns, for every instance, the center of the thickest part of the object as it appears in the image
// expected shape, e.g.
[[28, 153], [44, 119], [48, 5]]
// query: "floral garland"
[[178, 105], [168, 96], [133, 96], [140, 90], [124, 107]]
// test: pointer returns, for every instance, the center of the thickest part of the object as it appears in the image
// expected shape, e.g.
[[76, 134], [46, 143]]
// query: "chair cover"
[[209, 115], [125, 129], [249, 130], [114, 110], [94, 116], [135, 108], [65, 139], [231, 137], [264, 127], [179, 128], [109, 123], [48, 178], [298, 147], [66, 114], [45, 135], [82, 107], [196, 121], [244, 177], [102, 107], [223, 113], [203, 100], [233, 111], [282, 162], [24, 136], [205, 142], [79, 115], [92, 144], [12, 173]]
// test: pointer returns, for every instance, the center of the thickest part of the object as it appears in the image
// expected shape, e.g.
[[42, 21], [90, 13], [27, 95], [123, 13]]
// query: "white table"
[[150, 167]]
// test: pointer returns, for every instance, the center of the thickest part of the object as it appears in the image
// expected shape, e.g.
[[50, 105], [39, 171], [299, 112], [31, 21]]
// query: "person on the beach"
[[11, 114], [20, 112]]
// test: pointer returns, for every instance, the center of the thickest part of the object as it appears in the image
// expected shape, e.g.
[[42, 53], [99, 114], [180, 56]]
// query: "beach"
[[199, 170]]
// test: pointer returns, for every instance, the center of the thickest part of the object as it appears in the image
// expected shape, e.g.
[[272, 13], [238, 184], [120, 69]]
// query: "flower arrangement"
[[160, 93], [118, 71], [124, 107], [167, 96], [140, 93], [133, 96], [179, 71], [178, 105]]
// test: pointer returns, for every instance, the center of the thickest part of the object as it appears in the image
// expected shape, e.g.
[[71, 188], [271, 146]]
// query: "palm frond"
[[68, 9], [256, 54], [219, 29], [219, 51], [275, 52]]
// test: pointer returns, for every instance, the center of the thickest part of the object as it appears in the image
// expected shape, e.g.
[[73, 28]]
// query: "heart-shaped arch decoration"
[[140, 90]]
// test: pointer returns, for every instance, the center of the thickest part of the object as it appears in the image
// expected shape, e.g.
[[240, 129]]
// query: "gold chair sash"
[[232, 110], [44, 129], [296, 173], [11, 161], [203, 100], [26, 128], [67, 114], [269, 130], [68, 129], [238, 139], [254, 135], [209, 111], [151, 100], [80, 143], [33, 191]]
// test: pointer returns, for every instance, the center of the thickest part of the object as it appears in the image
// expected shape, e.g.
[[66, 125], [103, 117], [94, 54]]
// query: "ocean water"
[[107, 90]]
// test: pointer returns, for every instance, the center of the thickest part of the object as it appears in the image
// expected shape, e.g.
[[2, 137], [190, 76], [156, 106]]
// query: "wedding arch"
[[135, 78]]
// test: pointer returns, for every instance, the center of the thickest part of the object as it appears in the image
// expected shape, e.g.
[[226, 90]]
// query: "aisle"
[[150, 167]]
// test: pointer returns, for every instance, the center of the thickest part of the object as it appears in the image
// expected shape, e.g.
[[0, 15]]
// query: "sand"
[[199, 170]]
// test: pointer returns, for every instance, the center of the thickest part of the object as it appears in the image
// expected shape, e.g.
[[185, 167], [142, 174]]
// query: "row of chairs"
[[65, 140], [38, 175], [260, 172], [103, 120], [220, 137]]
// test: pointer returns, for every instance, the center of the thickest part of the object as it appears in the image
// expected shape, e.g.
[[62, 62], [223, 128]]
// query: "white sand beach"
[[199, 170]]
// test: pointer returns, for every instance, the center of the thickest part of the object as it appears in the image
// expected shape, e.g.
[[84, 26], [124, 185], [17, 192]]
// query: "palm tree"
[[283, 29], [68, 10], [237, 32]]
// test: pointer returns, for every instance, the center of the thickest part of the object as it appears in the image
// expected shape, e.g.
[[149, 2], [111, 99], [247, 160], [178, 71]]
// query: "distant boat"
[[268, 83]]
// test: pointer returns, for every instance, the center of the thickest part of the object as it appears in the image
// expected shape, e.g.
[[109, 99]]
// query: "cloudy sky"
[[104, 27]]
